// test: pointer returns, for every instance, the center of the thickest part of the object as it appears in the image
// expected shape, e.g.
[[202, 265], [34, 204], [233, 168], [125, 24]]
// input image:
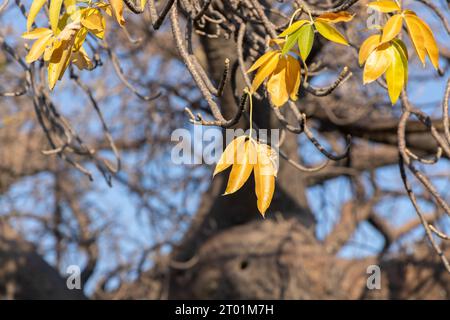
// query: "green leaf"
[[290, 42], [305, 40]]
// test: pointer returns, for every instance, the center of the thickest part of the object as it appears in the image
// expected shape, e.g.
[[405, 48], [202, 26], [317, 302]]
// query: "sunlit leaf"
[[385, 6], [264, 71], [335, 17], [293, 77], [291, 41], [368, 46], [264, 173], [36, 6], [38, 48], [229, 156], [392, 28], [53, 13], [276, 85], [395, 75], [293, 27], [306, 41], [329, 32], [262, 60], [36, 33], [241, 171], [429, 41], [94, 22], [81, 59], [70, 6], [117, 7], [377, 63], [416, 35]]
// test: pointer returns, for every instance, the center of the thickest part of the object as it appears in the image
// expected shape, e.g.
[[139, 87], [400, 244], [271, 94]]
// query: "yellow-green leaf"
[[385, 6], [306, 41], [53, 13], [36, 6], [377, 63], [392, 28], [277, 84], [329, 32], [229, 156], [241, 171], [416, 35], [335, 17], [290, 42], [368, 46], [395, 75], [293, 27], [403, 51]]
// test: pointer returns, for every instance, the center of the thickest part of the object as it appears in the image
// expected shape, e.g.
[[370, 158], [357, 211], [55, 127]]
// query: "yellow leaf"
[[417, 37], [392, 28], [59, 61], [242, 170], [81, 59], [38, 48], [70, 6], [143, 3], [36, 6], [330, 32], [264, 178], [293, 77], [395, 75], [429, 40], [80, 37], [53, 13], [229, 156], [377, 63], [293, 27], [335, 17], [401, 48], [368, 46], [277, 86], [94, 21], [384, 6], [117, 7], [36, 33], [265, 71], [262, 60]]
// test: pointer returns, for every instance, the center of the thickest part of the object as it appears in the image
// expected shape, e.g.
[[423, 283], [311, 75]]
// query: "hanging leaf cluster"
[[282, 68], [62, 43], [246, 155], [385, 54]]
